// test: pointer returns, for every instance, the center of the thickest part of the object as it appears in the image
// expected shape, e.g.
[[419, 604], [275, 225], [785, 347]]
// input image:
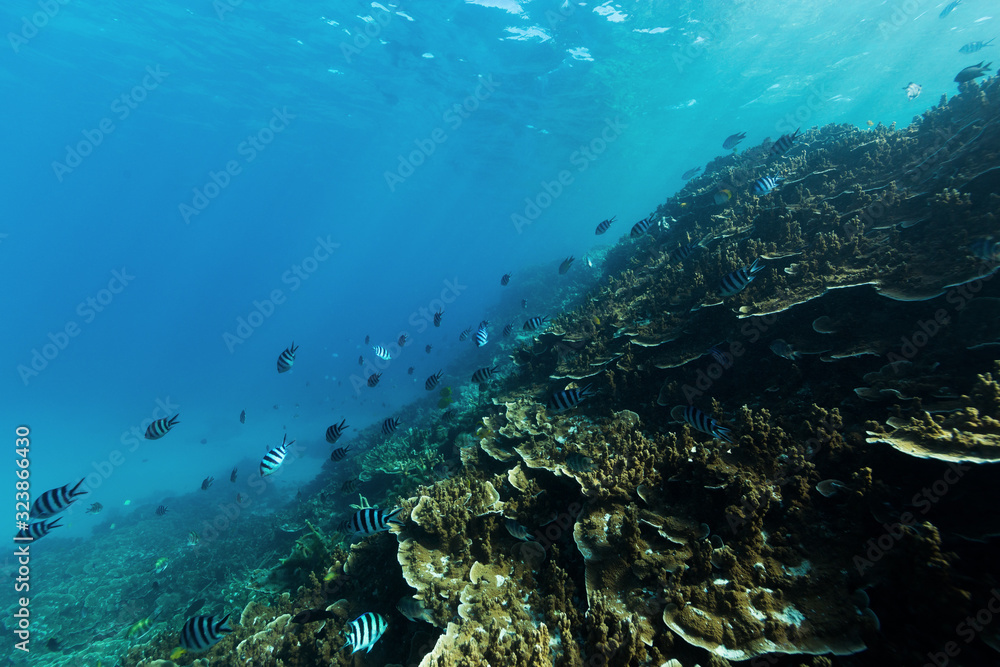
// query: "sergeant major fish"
[[784, 142], [569, 398], [972, 47], [765, 184], [201, 633], [481, 336], [381, 352], [54, 501], [287, 358], [701, 421], [365, 631], [390, 425], [373, 520], [736, 281], [603, 225], [433, 381], [640, 228], [160, 427], [274, 458], [505, 279]]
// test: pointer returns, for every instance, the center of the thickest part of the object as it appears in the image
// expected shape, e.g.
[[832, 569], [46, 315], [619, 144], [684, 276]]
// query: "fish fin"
[[73, 492]]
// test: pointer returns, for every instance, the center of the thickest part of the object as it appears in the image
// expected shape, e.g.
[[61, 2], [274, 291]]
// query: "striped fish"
[[702, 422], [335, 431], [54, 501], [274, 458], [640, 228], [373, 520], [339, 453], [390, 425], [433, 381], [570, 398], [350, 486], [243, 417], [507, 330], [437, 318], [566, 263], [365, 631], [784, 142], [765, 184], [535, 322], [972, 47], [402, 340], [39, 529], [373, 379], [484, 374], [381, 352], [159, 428], [735, 282], [505, 279], [684, 251], [201, 633], [287, 358], [481, 336], [604, 224], [517, 531], [465, 334]]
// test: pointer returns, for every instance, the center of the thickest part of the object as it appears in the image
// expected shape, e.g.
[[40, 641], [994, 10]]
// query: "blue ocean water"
[[171, 167]]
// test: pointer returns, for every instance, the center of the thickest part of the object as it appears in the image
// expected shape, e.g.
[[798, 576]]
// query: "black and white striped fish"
[[201, 633], [390, 425], [684, 251], [484, 374], [507, 330], [373, 520], [784, 142], [274, 458], [569, 398], [38, 529], [381, 352], [365, 631], [160, 427], [465, 334], [481, 336], [335, 431], [640, 228], [373, 379], [701, 421], [604, 225], [350, 486], [735, 282], [972, 47], [535, 322], [433, 380], [437, 318], [505, 279], [287, 358], [54, 501], [243, 417], [339, 453], [765, 184]]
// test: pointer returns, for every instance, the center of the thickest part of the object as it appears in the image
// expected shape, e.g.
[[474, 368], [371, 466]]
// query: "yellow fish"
[[141, 627], [177, 652]]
